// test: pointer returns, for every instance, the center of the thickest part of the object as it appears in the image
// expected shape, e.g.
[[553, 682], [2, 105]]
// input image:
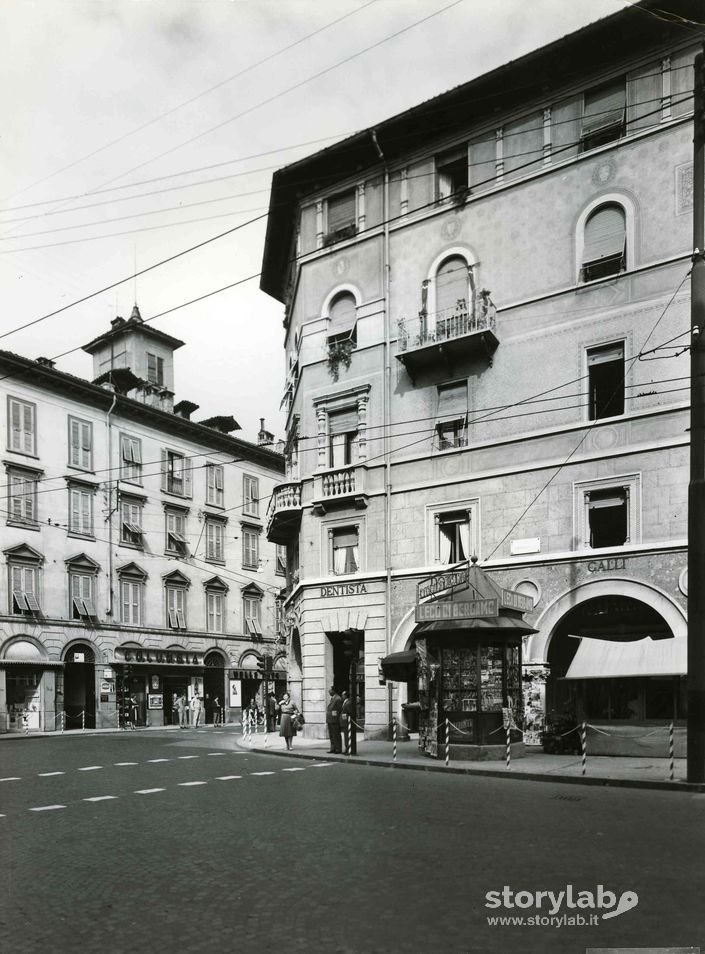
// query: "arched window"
[[342, 314], [604, 243], [452, 284]]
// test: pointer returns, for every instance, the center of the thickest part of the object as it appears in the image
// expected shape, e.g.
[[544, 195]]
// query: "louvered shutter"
[[186, 464], [605, 232], [343, 422], [452, 403], [28, 422], [342, 314], [341, 211], [165, 469], [75, 437], [604, 106]]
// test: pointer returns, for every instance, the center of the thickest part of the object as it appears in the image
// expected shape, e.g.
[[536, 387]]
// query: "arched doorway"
[[79, 687], [214, 687]]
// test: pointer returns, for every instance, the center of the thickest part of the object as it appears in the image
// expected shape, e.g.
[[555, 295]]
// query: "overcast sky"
[[168, 117]]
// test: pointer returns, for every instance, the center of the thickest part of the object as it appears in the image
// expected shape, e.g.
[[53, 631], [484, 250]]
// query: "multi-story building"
[[486, 314], [136, 564]]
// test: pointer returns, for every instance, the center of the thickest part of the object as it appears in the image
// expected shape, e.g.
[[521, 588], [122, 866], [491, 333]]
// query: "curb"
[[656, 784]]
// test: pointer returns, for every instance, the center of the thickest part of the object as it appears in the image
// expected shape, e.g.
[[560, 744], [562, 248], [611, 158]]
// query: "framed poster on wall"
[[235, 693], [155, 701]]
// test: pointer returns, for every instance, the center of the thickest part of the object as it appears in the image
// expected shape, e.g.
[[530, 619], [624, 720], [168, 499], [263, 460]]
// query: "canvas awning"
[[399, 667], [605, 659]]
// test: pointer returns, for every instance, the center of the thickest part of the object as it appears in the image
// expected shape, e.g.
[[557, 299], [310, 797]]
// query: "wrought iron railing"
[[436, 327]]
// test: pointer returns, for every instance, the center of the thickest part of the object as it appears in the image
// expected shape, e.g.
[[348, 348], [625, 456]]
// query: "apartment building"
[[136, 564], [486, 320]]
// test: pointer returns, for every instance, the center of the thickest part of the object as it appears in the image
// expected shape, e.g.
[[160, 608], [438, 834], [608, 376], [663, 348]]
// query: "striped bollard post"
[[670, 751], [83, 720], [583, 742], [394, 740], [26, 723], [347, 736], [266, 733], [447, 742], [63, 720], [509, 748]]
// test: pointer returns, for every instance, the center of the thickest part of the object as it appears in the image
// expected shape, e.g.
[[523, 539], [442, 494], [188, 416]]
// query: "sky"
[[135, 130]]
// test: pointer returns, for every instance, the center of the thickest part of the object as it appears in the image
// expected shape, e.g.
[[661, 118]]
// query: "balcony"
[[339, 487], [449, 336], [284, 512]]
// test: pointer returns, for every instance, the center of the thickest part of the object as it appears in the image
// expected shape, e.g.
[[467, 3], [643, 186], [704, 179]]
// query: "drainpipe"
[[108, 419], [387, 406]]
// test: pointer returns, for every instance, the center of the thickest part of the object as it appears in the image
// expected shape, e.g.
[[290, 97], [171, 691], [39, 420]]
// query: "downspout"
[[387, 406], [111, 510]]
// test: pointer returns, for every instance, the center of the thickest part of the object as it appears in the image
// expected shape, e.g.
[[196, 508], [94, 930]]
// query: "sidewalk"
[[535, 765]]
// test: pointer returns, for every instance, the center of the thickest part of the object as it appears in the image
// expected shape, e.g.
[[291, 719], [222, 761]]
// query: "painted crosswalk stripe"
[[99, 798], [149, 791], [90, 768], [125, 763], [14, 778], [47, 808], [186, 784], [261, 773], [227, 778], [321, 764], [294, 770], [188, 756], [159, 760], [48, 774], [215, 753]]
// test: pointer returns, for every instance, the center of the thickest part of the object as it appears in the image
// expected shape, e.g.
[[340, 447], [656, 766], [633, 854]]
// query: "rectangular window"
[[280, 565], [453, 536], [155, 369], [452, 175], [608, 517], [214, 485], [81, 587], [215, 535], [214, 611], [131, 602], [176, 607], [131, 523], [252, 612], [345, 545], [176, 474], [80, 511], [250, 548], [604, 109], [451, 416], [130, 459], [176, 541], [278, 618], [250, 494], [21, 426], [80, 444], [341, 217], [22, 498], [342, 437], [606, 380], [24, 590]]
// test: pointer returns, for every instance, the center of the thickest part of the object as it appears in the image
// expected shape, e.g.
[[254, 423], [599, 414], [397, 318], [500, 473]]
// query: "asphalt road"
[[161, 842]]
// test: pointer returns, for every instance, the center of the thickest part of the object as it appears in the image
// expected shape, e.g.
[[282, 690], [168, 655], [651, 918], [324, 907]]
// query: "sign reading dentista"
[[162, 657], [343, 589]]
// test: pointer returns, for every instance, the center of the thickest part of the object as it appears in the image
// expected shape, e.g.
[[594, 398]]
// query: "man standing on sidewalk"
[[333, 711]]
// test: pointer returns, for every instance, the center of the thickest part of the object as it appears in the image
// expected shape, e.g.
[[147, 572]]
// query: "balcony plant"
[[339, 352]]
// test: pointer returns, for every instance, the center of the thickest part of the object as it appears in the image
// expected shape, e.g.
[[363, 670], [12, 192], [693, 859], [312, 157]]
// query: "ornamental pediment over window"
[[23, 552]]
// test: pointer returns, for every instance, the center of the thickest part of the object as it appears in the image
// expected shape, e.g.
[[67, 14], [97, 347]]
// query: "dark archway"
[[214, 686], [79, 687]]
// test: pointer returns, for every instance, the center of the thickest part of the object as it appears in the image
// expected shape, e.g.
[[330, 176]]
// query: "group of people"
[[338, 719], [191, 712]]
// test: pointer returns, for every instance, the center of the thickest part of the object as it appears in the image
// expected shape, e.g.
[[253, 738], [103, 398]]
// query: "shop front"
[[149, 680], [28, 688], [465, 671]]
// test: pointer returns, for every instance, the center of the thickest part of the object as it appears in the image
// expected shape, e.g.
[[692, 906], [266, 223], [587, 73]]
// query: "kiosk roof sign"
[[442, 581]]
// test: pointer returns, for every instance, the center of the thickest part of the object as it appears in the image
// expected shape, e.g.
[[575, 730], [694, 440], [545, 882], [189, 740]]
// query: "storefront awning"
[[605, 659], [502, 626], [400, 667]]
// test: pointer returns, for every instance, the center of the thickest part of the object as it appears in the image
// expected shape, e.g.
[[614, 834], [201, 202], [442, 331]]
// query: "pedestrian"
[[272, 706], [287, 726], [174, 708], [135, 710], [216, 711], [333, 710], [195, 708], [346, 723], [181, 709], [252, 712]]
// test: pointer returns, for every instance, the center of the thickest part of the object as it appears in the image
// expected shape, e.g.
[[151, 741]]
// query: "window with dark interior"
[[342, 431], [604, 243], [606, 380], [604, 114], [452, 175], [454, 536], [342, 315], [451, 416], [608, 517], [341, 217], [345, 545]]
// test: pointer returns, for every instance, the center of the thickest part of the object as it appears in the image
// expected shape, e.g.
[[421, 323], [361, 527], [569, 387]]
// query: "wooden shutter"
[[343, 422], [604, 106], [605, 233], [341, 211], [343, 315]]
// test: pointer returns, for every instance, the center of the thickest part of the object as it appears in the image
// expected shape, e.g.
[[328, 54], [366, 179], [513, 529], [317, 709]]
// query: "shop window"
[[21, 426], [214, 485], [344, 550], [452, 175], [155, 369], [453, 536], [252, 614], [250, 547], [215, 537], [604, 114], [451, 416], [82, 590], [604, 243], [176, 473], [342, 317], [80, 444], [342, 437], [608, 517], [341, 217], [606, 380], [131, 523], [24, 590], [250, 495], [176, 607], [22, 497], [81, 511], [176, 540], [130, 459]]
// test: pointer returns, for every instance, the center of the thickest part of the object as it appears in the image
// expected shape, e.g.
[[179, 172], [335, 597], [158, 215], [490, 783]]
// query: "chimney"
[[46, 362], [117, 323], [185, 409], [264, 437]]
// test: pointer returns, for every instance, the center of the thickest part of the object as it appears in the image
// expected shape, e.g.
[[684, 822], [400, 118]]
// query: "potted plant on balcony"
[[339, 352]]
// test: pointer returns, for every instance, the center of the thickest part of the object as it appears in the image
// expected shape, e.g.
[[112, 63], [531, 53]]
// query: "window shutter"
[[165, 469], [75, 510], [341, 211], [604, 106], [452, 403], [342, 314], [345, 538], [218, 478], [75, 457], [28, 427], [186, 464], [86, 512], [605, 232], [613, 352], [85, 445], [15, 440], [343, 422]]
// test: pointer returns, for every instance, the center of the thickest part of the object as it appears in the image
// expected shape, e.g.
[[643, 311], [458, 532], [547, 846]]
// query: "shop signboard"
[[441, 581], [516, 601], [457, 609]]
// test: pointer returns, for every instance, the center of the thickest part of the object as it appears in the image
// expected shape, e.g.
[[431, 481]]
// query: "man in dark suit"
[[333, 711]]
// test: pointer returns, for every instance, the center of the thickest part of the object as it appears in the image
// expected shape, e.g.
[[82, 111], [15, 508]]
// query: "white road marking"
[[227, 778], [188, 756], [125, 763], [158, 760], [321, 764], [186, 784], [99, 798], [47, 808], [90, 768], [148, 791], [294, 770], [48, 774], [261, 773], [215, 753], [14, 778]]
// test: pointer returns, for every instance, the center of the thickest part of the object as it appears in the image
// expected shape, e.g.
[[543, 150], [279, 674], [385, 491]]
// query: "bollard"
[[509, 748], [266, 733], [347, 736], [447, 742], [25, 719], [63, 720], [670, 750], [583, 741], [394, 740], [83, 720]]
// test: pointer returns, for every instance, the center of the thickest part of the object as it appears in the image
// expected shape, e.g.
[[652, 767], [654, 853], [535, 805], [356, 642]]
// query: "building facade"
[[136, 564], [486, 312]]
